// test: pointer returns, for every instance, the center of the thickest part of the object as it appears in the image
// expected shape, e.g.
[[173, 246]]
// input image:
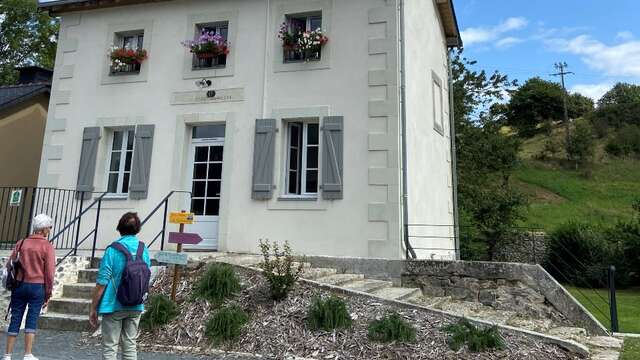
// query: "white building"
[[309, 151]]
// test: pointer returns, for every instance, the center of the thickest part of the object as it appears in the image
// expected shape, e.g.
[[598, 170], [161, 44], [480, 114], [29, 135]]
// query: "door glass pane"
[[312, 157], [213, 189], [198, 188], [215, 153], [115, 161], [213, 207], [201, 154], [312, 134], [312, 181], [125, 183], [117, 140], [215, 171], [197, 206], [208, 131], [200, 171], [112, 185]]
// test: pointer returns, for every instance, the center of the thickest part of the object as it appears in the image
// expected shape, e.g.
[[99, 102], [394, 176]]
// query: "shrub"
[[477, 340], [279, 268], [626, 141], [225, 324], [217, 283], [160, 311], [392, 328], [580, 144], [328, 314]]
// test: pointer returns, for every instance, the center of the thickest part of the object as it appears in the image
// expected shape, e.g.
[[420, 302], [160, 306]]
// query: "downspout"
[[454, 166], [403, 118], [267, 51]]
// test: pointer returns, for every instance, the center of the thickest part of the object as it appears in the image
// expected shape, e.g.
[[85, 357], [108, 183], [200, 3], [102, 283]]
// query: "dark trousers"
[[26, 294]]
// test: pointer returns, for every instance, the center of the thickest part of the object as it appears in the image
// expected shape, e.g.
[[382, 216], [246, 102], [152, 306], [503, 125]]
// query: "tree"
[[621, 93], [579, 105], [489, 206], [535, 102], [617, 107], [580, 144], [28, 36]]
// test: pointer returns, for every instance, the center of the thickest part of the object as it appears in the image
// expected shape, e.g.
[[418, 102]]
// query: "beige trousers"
[[116, 326]]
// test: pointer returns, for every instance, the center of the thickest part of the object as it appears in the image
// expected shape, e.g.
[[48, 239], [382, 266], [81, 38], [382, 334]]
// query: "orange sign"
[[181, 218]]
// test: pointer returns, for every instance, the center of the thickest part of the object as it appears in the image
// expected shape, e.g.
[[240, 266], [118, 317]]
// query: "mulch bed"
[[278, 330]]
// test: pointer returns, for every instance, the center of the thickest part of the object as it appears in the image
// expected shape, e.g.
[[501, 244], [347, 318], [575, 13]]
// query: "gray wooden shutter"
[[141, 166], [88, 156], [263, 159], [332, 154]]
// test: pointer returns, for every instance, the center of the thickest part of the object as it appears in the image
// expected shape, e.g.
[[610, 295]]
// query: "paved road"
[[64, 345]]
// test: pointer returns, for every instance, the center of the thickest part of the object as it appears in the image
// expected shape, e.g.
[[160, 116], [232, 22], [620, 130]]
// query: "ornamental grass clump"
[[328, 314], [160, 311], [225, 324], [477, 340], [392, 328], [218, 283], [279, 268]]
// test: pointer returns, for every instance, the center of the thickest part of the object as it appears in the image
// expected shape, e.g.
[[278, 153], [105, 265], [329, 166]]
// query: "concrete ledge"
[[381, 269]]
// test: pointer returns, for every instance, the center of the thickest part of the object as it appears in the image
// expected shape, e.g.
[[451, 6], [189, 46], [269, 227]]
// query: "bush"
[[580, 144], [279, 268], [625, 236], [477, 340], [328, 314], [392, 328], [225, 324], [217, 283], [160, 310], [625, 142]]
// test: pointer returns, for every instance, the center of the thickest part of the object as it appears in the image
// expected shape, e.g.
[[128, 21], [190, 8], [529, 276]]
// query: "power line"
[[561, 66]]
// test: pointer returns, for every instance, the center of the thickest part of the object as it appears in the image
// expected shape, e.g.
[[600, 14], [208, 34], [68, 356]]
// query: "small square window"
[[296, 25], [127, 63], [302, 158], [210, 46]]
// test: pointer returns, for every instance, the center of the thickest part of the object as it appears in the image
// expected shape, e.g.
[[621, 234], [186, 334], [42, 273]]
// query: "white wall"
[[429, 156], [341, 227]]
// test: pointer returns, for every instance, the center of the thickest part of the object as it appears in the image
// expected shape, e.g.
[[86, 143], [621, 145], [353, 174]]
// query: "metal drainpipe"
[[454, 174], [403, 117]]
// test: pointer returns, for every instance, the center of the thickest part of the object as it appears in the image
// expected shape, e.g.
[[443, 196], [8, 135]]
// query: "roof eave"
[[449, 22]]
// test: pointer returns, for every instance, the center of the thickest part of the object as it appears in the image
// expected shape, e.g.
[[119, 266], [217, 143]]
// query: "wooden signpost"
[[180, 238]]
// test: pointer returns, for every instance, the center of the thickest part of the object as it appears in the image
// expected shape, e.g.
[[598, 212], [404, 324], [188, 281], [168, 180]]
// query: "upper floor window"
[[302, 158], [210, 46], [127, 53], [302, 37], [438, 103], [121, 156]]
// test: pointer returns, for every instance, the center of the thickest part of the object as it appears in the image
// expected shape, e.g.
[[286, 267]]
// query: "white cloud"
[[508, 42], [593, 91], [624, 35], [614, 60], [476, 35]]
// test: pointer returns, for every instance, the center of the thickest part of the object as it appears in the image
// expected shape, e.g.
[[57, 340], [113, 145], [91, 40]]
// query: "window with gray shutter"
[[88, 155], [332, 154], [263, 159], [141, 167]]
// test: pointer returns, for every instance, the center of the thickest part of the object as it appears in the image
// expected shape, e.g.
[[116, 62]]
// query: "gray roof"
[[14, 94]]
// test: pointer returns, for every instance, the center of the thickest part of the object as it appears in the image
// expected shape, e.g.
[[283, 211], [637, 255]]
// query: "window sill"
[[125, 73], [116, 197], [216, 67], [298, 198]]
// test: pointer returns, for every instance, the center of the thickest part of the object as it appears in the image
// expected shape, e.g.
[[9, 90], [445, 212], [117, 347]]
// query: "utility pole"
[[561, 67]]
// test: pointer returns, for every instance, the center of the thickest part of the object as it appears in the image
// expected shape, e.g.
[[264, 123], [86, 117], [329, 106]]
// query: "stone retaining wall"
[[504, 286]]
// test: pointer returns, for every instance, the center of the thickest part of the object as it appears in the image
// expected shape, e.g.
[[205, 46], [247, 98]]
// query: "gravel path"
[[278, 330]]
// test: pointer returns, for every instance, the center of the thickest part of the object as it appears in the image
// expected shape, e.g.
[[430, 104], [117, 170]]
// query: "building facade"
[[272, 141]]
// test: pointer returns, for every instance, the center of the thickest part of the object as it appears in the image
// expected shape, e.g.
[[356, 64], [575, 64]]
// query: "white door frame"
[[189, 178]]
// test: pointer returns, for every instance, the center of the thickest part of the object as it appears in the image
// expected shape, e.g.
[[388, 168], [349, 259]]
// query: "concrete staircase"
[[71, 311]]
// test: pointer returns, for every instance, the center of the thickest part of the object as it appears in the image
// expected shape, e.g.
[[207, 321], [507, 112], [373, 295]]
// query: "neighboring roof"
[[450, 22], [15, 94]]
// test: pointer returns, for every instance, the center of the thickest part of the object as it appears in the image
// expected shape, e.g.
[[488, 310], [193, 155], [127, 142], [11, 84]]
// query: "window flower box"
[[298, 45], [209, 49], [126, 61]]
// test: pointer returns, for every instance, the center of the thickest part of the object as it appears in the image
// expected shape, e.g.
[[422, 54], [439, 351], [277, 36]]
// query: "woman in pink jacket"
[[38, 263]]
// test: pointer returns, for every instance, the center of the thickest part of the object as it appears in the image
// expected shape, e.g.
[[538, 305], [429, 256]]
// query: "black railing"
[[164, 204]]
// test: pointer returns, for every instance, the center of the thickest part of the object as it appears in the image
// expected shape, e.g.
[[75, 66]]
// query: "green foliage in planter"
[[477, 340], [217, 283], [225, 324], [328, 314], [279, 268], [392, 328], [160, 311]]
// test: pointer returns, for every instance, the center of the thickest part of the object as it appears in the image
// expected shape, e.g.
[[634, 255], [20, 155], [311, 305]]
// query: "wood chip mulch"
[[278, 330]]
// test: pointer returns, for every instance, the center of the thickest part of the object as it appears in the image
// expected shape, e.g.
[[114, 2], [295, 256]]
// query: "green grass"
[[628, 307], [631, 349]]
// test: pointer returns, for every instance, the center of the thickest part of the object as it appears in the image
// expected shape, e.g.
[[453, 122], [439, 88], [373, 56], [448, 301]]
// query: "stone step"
[[397, 293], [339, 279], [242, 260], [78, 291], [315, 273], [87, 276], [64, 322], [70, 306], [367, 285]]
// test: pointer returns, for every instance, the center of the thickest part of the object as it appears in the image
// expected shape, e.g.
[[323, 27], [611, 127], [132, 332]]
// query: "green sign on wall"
[[16, 197]]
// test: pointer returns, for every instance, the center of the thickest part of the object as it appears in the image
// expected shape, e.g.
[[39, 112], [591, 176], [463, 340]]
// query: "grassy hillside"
[[558, 193]]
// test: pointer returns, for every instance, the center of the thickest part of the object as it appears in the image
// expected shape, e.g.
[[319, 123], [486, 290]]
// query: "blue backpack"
[[134, 284]]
